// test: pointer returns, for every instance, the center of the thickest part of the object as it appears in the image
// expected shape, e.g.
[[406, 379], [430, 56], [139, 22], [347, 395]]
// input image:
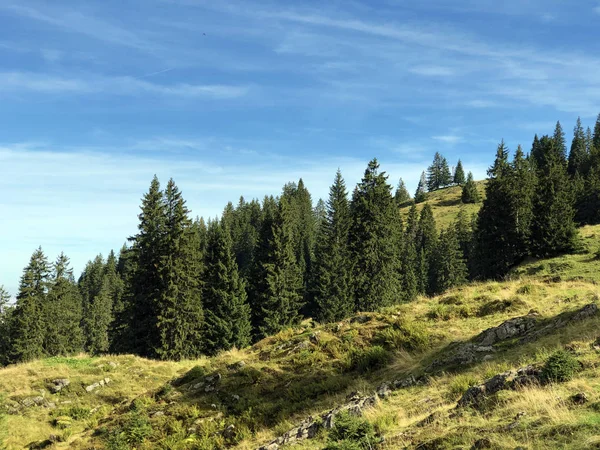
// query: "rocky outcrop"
[[475, 395], [308, 428], [58, 385], [92, 387], [524, 329]]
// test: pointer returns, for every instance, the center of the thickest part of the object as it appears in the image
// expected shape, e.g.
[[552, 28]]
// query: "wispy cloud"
[[433, 71], [597, 9], [449, 139], [122, 86]]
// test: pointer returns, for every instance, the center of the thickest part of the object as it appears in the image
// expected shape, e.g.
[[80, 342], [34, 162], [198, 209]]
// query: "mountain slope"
[[435, 349]]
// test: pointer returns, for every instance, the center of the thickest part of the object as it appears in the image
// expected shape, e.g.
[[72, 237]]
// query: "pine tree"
[[459, 174], [434, 173], [578, 155], [227, 321], [470, 194], [180, 317], [374, 242], [402, 196], [146, 281], [553, 226], [5, 326], [97, 306], [281, 300], [427, 239], [63, 313], [495, 221], [522, 184], [445, 175], [596, 139], [120, 333], [560, 144], [421, 193], [332, 287], [448, 266], [28, 322]]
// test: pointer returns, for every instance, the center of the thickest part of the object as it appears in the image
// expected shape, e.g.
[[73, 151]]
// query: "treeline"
[[183, 287]]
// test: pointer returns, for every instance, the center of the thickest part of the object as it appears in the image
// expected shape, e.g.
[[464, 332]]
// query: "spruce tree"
[[464, 234], [596, 138], [494, 252], [427, 239], [29, 321], [281, 300], [553, 226], [332, 287], [63, 313], [227, 313], [402, 196], [445, 174], [469, 191], [459, 174], [97, 306], [5, 326], [578, 154], [146, 281], [560, 144], [374, 242], [522, 184], [421, 193], [178, 306], [448, 266], [435, 173]]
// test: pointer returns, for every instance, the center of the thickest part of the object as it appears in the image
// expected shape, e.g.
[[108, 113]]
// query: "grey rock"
[[59, 384], [515, 327], [384, 390], [229, 432], [237, 366]]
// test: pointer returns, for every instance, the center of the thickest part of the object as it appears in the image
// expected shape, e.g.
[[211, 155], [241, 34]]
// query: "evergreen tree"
[[578, 155], [521, 185], [281, 300], [374, 241], [258, 274], [469, 191], [146, 281], [402, 196], [427, 239], [553, 226], [180, 317], [421, 193], [494, 251], [227, 321], [459, 174], [560, 144], [332, 286], [596, 138], [435, 175], [5, 326], [97, 306], [449, 268], [445, 175], [63, 313], [28, 322], [464, 235], [120, 333]]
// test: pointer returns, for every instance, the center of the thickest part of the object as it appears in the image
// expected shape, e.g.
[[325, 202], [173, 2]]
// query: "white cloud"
[[449, 139], [597, 9], [124, 86], [433, 71]]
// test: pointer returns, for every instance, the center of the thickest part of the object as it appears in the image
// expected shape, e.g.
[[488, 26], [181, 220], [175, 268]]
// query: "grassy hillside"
[[432, 348], [446, 204]]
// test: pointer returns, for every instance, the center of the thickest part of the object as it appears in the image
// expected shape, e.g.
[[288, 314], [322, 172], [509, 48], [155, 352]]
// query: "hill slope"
[[420, 357]]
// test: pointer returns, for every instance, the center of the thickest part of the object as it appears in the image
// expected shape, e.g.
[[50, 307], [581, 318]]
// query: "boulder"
[[58, 385]]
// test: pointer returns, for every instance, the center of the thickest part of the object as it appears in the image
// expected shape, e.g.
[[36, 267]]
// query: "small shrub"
[[405, 335], [459, 385], [526, 289], [559, 367], [193, 374], [370, 359], [137, 429], [352, 433]]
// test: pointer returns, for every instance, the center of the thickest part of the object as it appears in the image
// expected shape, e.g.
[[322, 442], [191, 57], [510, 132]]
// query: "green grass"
[[311, 368]]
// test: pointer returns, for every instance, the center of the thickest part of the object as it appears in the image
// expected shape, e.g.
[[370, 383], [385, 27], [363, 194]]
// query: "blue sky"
[[232, 98]]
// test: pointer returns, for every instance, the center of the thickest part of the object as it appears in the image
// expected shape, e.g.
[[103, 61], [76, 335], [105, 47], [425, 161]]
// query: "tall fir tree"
[[374, 242], [63, 312], [445, 174], [29, 321], [427, 239], [553, 227], [435, 173], [402, 196], [97, 306], [579, 154], [146, 281], [470, 194], [421, 192], [332, 286], [522, 185], [560, 144], [5, 326], [448, 266], [227, 313], [281, 300], [178, 306], [459, 174], [494, 251], [596, 138], [464, 234]]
